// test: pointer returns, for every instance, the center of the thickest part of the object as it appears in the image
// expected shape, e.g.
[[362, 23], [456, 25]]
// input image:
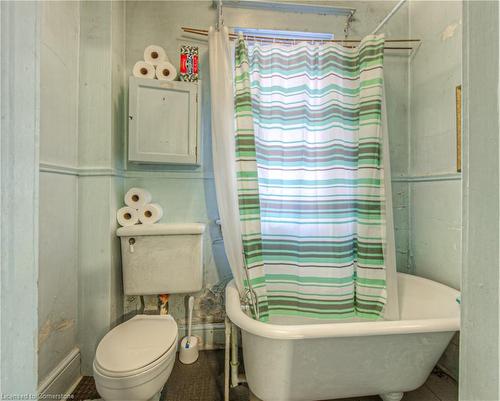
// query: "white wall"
[[58, 278]]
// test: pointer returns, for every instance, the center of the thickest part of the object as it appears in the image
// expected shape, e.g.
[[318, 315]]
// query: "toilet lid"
[[136, 343]]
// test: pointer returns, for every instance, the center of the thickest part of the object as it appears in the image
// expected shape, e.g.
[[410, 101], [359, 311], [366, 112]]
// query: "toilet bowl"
[[134, 360]]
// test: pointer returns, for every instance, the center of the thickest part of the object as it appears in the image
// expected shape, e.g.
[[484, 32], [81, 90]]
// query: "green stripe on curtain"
[[247, 180], [309, 149]]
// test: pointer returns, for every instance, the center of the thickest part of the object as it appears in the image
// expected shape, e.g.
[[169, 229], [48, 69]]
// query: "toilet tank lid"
[[161, 229]]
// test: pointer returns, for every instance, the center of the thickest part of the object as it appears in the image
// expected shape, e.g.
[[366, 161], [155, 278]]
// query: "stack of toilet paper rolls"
[[155, 65], [139, 209]]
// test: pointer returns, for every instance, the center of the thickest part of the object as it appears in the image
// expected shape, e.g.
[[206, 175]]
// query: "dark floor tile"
[[204, 381], [443, 386], [371, 398], [196, 382], [85, 390], [420, 394]]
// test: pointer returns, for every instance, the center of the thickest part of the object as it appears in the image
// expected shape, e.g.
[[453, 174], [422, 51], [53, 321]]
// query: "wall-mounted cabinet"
[[163, 122]]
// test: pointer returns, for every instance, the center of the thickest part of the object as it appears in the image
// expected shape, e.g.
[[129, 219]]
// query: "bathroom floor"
[[204, 381]]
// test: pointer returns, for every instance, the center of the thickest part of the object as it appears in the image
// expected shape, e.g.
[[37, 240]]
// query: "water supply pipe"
[[234, 356]]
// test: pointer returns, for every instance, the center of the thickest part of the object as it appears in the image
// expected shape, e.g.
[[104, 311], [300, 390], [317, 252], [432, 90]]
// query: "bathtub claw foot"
[[392, 396]]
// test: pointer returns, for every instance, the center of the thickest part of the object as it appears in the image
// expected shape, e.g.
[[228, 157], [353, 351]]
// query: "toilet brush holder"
[[188, 353]]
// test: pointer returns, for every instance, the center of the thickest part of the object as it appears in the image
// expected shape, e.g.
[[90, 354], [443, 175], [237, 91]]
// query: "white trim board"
[[197, 174], [63, 377], [111, 172], [428, 178]]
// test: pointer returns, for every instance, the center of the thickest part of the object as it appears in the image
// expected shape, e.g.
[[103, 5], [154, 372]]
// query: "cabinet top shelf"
[[162, 84]]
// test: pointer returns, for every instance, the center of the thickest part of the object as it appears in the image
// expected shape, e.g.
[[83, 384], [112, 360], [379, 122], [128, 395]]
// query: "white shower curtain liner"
[[223, 147], [392, 305]]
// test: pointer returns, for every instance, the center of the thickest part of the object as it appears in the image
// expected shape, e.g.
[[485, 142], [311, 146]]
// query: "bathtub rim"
[[329, 330]]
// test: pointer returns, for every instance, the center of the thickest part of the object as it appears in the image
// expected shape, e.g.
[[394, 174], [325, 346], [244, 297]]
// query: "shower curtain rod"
[[389, 16], [306, 8], [268, 39]]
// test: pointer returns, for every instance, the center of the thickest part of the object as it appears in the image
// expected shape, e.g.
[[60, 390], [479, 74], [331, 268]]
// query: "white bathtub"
[[310, 360]]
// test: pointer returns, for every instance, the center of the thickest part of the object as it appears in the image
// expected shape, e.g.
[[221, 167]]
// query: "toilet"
[[134, 360]]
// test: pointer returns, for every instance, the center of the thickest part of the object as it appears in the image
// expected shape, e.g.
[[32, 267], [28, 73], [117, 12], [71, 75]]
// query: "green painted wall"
[[479, 348], [58, 214], [19, 152], [435, 201], [435, 71], [82, 137], [100, 144]]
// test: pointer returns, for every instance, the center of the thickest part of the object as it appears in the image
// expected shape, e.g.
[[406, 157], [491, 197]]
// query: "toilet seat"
[[136, 346]]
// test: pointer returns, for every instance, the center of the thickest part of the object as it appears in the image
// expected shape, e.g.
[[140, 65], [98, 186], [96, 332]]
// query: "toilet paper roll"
[[127, 216], [154, 54], [144, 70], [165, 71], [150, 213], [137, 198]]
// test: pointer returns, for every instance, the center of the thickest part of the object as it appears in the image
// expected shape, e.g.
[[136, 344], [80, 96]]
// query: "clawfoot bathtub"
[[292, 359]]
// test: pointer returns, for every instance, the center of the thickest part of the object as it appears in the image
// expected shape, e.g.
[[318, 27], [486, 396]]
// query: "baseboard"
[[61, 381], [211, 335]]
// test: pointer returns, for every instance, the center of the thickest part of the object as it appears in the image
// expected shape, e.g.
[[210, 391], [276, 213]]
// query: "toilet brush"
[[189, 345], [190, 319]]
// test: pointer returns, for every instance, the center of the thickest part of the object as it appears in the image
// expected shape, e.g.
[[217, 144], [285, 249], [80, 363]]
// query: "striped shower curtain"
[[248, 183], [310, 177]]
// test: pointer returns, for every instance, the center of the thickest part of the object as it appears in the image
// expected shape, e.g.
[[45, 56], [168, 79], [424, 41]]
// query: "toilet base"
[[156, 397]]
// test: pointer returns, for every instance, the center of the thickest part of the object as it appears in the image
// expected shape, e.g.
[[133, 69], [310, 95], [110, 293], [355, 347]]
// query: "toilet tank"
[[162, 258]]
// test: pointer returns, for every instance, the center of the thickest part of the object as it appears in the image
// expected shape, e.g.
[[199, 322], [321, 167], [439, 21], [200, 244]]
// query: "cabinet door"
[[163, 121]]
